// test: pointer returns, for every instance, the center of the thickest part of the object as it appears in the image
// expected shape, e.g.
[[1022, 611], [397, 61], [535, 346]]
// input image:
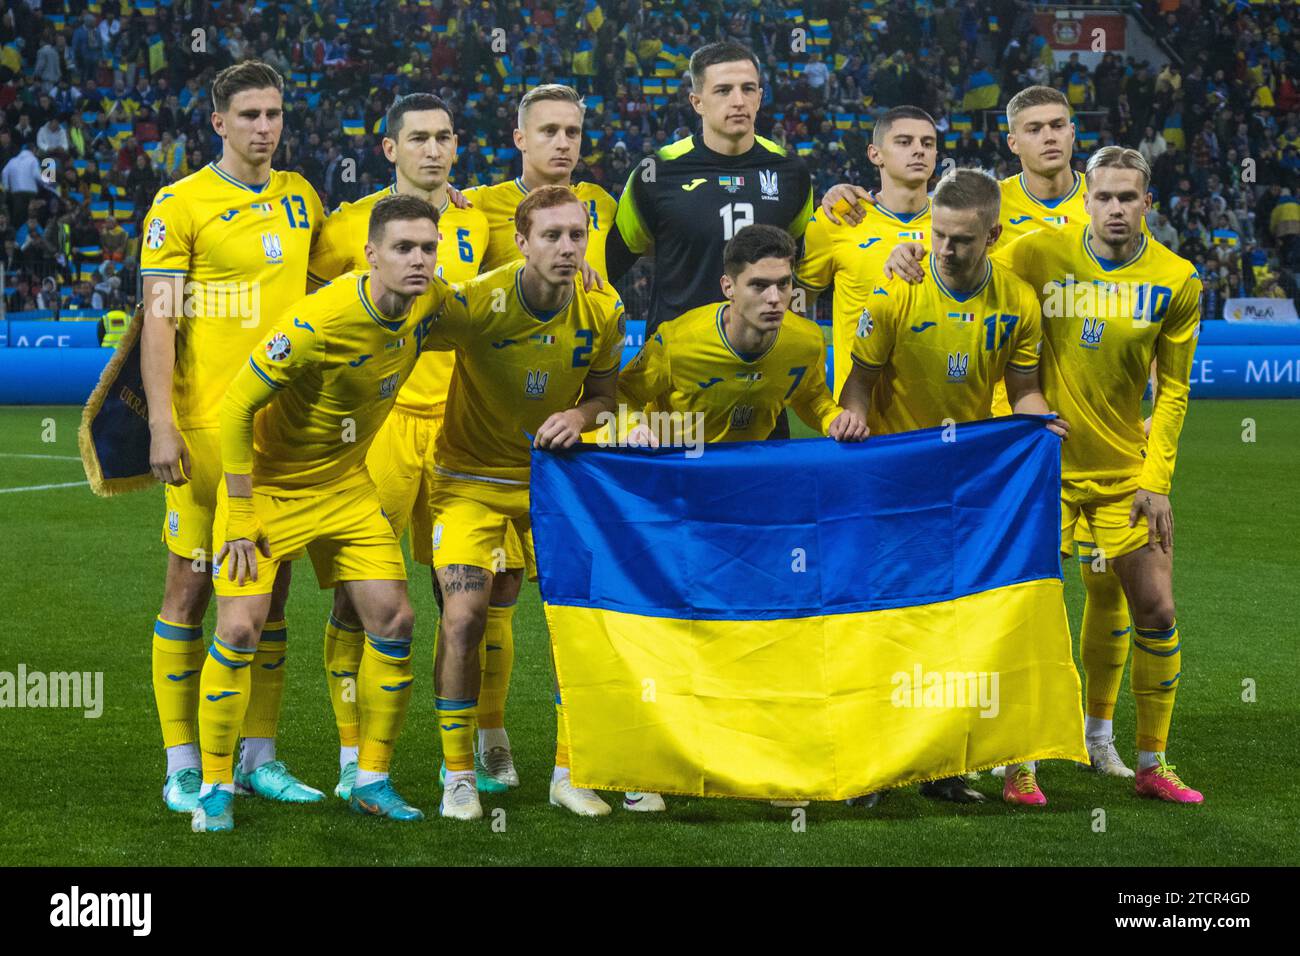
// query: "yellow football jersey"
[[333, 364], [1103, 322], [499, 201], [1023, 213], [852, 259], [515, 368], [689, 366], [243, 251], [463, 237], [941, 352]]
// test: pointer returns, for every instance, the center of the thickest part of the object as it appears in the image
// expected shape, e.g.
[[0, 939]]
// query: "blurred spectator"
[[52, 139]]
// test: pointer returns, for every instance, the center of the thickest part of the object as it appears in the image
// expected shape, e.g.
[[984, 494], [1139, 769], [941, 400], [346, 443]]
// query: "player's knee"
[[342, 611], [400, 622], [240, 634], [462, 627], [1157, 614]]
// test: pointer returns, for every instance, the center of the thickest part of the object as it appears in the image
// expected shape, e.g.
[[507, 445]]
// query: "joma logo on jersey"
[[1093, 329], [767, 184], [388, 387], [731, 184], [958, 362], [535, 385], [865, 324], [271, 246], [229, 214], [1017, 220], [742, 416]]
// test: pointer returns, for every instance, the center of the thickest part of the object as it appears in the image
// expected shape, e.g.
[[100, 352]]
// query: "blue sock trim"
[[275, 632], [336, 623], [177, 632], [1120, 633], [1169, 653], [449, 703], [1155, 633], [395, 647], [214, 651], [557, 699]]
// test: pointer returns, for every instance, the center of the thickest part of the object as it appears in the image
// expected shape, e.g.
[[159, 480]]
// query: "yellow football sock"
[[497, 657], [1157, 665], [456, 720], [343, 646], [177, 660], [561, 735], [1103, 645], [223, 698], [384, 681], [267, 692]]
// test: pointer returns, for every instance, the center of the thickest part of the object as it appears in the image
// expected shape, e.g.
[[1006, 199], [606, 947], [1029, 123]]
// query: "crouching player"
[[536, 353], [297, 481], [735, 365], [928, 355]]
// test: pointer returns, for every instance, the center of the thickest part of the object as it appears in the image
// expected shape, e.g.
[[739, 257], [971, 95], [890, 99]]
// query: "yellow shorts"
[[187, 526], [1104, 505], [474, 521], [344, 533], [401, 463]]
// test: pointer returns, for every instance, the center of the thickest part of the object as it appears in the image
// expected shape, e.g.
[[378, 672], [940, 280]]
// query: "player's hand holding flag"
[[848, 425], [245, 536], [561, 430]]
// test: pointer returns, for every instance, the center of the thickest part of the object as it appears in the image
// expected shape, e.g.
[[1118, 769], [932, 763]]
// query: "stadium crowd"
[[101, 103]]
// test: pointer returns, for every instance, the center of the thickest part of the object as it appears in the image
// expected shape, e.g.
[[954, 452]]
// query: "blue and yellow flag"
[[982, 91], [806, 619]]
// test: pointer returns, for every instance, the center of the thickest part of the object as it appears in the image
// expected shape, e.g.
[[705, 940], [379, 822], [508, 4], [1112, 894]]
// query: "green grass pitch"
[[82, 579]]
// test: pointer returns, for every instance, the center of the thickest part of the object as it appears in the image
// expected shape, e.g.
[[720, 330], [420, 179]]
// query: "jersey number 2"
[[735, 217]]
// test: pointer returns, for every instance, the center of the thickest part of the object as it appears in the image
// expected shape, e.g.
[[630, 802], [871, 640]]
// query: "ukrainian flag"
[[157, 54], [804, 148], [123, 209], [962, 122], [820, 32], [354, 127], [848, 618], [102, 209], [982, 91], [594, 14]]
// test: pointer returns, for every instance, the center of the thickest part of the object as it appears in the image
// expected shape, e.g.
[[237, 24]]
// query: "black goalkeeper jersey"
[[682, 205]]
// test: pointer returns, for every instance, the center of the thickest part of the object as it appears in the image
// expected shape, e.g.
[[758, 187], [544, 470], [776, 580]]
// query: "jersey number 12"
[[735, 217]]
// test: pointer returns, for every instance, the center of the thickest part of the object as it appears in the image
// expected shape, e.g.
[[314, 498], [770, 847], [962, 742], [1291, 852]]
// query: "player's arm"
[[599, 392], [812, 402], [291, 347], [646, 378], [1175, 346], [329, 256], [164, 265], [319, 216], [448, 322], [1024, 389], [871, 349], [169, 459], [815, 270], [633, 231]]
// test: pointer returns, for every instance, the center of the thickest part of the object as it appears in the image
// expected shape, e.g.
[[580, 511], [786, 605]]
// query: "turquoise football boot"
[[379, 799], [484, 782], [181, 791], [215, 813], [273, 781], [347, 780]]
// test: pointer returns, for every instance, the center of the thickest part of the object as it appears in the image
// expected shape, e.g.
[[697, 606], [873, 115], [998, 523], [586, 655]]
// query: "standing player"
[[1114, 299], [549, 138], [296, 479], [738, 363], [1048, 194], [536, 353], [693, 195], [929, 354], [420, 141], [850, 258], [223, 248]]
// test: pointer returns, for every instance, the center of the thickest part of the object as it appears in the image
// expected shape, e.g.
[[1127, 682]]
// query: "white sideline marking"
[[5, 454], [64, 484]]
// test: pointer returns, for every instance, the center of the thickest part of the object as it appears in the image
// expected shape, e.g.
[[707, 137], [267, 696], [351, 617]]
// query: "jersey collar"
[[988, 274], [363, 292], [747, 358], [1050, 203], [903, 217], [235, 182], [538, 314], [1111, 265]]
